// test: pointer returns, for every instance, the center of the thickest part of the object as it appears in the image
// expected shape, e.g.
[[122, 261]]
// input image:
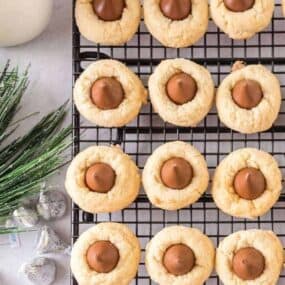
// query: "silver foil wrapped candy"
[[49, 242], [51, 205], [40, 271], [26, 217]]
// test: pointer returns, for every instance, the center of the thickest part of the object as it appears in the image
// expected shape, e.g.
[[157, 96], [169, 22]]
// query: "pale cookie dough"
[[123, 193], [200, 244], [242, 25], [172, 199], [283, 7], [181, 33], [223, 191], [129, 250], [188, 114], [264, 241], [108, 32], [259, 118], [135, 94]]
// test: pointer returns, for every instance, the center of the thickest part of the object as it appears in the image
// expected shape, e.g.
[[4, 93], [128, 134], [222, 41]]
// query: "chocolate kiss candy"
[[249, 183], [50, 242], [109, 10], [179, 259], [181, 88], [26, 217], [51, 205], [247, 93], [107, 93], [239, 5], [176, 9], [176, 173], [103, 256], [100, 177], [248, 263], [40, 270]]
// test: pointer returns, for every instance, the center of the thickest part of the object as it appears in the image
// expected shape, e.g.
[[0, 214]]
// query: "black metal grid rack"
[[216, 52]]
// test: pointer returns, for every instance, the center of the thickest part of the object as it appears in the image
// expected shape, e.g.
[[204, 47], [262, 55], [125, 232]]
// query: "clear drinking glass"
[[23, 20]]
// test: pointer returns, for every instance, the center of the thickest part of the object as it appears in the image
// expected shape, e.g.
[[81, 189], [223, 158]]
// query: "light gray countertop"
[[51, 83]]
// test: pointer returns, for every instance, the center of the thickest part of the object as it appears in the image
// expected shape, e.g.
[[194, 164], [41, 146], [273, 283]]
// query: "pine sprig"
[[4, 230], [37, 141], [12, 87], [28, 161]]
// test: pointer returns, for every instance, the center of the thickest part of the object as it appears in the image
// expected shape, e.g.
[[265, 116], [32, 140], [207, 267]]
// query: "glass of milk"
[[23, 20]]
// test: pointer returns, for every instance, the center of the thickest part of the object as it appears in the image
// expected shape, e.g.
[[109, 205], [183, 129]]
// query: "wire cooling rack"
[[216, 52]]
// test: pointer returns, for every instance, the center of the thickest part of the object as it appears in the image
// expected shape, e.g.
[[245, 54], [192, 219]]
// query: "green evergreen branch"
[[28, 161]]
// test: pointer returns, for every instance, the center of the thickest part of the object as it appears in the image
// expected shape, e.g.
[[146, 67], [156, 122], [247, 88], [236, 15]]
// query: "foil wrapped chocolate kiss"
[[40, 270], [49, 242], [26, 217], [51, 205]]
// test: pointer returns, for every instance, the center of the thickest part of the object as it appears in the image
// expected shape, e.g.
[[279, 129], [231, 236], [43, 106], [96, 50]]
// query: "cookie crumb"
[[239, 64]]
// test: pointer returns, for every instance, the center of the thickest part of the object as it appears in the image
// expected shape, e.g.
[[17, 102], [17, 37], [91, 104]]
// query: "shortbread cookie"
[[178, 255], [249, 99], [176, 23], [247, 183], [109, 94], [251, 257], [106, 254], [242, 19], [109, 22], [102, 179], [175, 176], [181, 91], [283, 7]]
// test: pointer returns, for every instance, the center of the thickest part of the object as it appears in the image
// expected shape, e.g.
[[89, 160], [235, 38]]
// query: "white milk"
[[23, 20]]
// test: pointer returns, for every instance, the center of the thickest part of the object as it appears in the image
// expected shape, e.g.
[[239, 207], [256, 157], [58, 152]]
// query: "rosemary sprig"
[[28, 161]]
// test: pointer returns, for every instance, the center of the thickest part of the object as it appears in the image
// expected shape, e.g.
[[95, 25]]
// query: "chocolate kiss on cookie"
[[109, 10], [181, 88], [248, 263], [176, 9], [247, 93], [102, 256], [249, 183], [179, 259], [100, 177], [239, 5], [176, 173], [107, 93]]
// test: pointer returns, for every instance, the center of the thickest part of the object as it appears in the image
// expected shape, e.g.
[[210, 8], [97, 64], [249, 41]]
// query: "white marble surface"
[[51, 81]]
